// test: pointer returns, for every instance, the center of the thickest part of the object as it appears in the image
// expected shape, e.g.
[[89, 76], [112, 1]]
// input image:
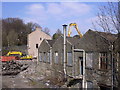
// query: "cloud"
[[55, 14], [78, 8], [58, 10], [67, 9], [54, 9], [36, 10]]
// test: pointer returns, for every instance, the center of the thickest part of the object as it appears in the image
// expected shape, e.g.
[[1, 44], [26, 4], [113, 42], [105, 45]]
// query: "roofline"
[[104, 37], [57, 39], [101, 35], [47, 42], [39, 31], [66, 40], [32, 32]]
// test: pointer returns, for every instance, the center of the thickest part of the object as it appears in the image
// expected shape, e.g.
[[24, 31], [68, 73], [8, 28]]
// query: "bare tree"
[[109, 21], [59, 31], [12, 38], [57, 34], [108, 17], [30, 26], [19, 27], [47, 30]]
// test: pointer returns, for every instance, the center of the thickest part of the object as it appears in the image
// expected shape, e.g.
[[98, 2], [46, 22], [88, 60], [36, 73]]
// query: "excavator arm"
[[76, 27]]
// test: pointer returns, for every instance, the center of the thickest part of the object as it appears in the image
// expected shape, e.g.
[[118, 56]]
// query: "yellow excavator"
[[76, 27], [19, 55]]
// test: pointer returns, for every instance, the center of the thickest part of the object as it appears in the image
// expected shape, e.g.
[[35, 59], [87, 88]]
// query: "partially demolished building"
[[92, 50]]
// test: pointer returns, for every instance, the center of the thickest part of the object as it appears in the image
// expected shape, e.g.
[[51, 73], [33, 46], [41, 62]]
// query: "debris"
[[40, 78], [12, 68], [48, 81], [47, 84]]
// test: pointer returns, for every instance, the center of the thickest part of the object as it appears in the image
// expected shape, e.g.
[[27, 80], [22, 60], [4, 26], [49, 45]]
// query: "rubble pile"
[[13, 67]]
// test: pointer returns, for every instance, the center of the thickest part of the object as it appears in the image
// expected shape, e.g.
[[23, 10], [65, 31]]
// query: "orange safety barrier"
[[7, 58]]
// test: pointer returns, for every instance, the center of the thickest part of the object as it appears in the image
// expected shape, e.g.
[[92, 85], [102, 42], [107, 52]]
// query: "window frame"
[[40, 38], [44, 57], [40, 57], [103, 64], [117, 64], [56, 61], [48, 57], [81, 65], [37, 46], [68, 64], [90, 54]]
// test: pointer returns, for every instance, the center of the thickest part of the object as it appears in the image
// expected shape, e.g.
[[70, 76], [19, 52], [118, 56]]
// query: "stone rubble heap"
[[13, 67]]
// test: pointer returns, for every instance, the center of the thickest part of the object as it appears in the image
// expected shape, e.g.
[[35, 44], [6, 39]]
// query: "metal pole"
[[112, 69], [51, 60], [73, 70], [118, 43], [64, 30], [84, 83]]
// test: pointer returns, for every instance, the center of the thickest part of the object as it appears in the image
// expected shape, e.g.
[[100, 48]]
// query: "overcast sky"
[[54, 14]]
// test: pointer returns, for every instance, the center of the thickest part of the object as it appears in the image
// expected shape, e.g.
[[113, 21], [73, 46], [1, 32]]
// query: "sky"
[[54, 14]]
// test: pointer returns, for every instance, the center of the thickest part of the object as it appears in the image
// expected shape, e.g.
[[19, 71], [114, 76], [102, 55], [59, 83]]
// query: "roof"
[[95, 41], [38, 31], [51, 42], [73, 40], [109, 36]]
